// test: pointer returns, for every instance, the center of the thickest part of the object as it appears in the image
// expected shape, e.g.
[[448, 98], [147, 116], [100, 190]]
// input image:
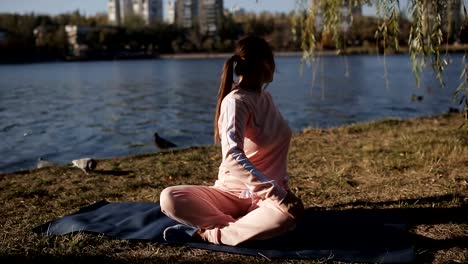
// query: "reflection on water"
[[64, 111]]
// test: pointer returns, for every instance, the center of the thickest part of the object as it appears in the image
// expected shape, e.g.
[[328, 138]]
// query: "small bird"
[[42, 163], [163, 143], [453, 110], [415, 98], [86, 164]]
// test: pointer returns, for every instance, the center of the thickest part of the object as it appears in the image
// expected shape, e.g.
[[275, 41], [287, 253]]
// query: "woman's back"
[[266, 135]]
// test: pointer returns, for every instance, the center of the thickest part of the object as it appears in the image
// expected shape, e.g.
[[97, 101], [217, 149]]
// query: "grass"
[[416, 167]]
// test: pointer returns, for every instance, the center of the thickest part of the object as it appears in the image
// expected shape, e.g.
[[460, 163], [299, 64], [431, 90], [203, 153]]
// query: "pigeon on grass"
[[42, 163], [86, 164], [162, 143]]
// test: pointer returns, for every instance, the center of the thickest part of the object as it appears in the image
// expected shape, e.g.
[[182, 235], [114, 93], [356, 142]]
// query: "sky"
[[91, 7]]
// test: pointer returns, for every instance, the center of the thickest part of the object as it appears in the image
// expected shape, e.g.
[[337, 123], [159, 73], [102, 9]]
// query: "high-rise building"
[[186, 13], [210, 13], [118, 10], [346, 12], [170, 15], [204, 14], [126, 9], [149, 10], [113, 12]]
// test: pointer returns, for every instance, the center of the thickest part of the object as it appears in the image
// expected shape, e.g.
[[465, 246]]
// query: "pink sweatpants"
[[223, 217]]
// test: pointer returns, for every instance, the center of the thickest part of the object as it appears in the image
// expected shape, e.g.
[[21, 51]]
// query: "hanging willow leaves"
[[430, 18]]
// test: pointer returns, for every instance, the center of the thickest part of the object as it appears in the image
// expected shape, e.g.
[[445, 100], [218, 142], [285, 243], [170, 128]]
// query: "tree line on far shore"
[[36, 37]]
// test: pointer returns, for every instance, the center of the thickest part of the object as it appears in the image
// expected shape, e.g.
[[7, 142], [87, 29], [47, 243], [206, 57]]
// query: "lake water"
[[65, 111]]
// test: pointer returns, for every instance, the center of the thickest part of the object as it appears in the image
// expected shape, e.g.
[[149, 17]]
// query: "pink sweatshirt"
[[255, 141]]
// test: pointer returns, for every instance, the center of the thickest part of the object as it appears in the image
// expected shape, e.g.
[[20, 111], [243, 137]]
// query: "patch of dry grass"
[[417, 167]]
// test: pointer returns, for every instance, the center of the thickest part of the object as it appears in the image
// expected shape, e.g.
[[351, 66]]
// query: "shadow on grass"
[[420, 211], [375, 230], [427, 210], [350, 234], [79, 259], [113, 172]]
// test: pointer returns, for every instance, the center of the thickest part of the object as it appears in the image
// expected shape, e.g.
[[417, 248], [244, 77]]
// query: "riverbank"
[[348, 51], [415, 165], [208, 55]]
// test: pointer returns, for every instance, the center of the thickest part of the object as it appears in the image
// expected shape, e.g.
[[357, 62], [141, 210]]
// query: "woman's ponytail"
[[227, 81]]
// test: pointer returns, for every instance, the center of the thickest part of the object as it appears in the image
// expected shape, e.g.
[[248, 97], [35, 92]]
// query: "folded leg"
[[266, 221], [202, 206]]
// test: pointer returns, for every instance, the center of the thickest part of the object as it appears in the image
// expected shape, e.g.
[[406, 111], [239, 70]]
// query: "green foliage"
[[134, 21], [431, 23], [461, 93], [388, 30], [102, 40], [23, 45]]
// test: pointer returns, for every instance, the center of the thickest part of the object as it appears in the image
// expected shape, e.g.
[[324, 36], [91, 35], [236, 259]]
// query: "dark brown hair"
[[251, 52]]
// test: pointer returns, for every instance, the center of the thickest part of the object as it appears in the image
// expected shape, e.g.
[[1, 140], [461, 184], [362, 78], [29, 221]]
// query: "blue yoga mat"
[[349, 235]]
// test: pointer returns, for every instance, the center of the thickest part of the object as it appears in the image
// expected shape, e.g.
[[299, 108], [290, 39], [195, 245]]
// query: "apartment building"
[[150, 11], [346, 12], [117, 10], [186, 13], [205, 14], [170, 15], [210, 13]]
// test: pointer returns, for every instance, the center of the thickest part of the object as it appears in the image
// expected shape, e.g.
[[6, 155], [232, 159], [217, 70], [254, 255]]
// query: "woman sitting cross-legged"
[[251, 199]]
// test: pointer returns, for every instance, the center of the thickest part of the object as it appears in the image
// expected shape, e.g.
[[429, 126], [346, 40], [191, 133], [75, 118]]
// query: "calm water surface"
[[65, 111]]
